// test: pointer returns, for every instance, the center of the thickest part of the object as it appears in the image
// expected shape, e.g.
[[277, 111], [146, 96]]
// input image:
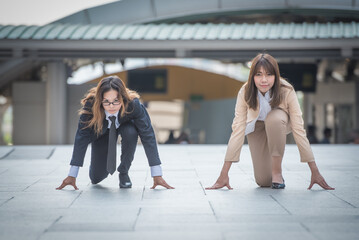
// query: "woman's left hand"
[[159, 181], [317, 178]]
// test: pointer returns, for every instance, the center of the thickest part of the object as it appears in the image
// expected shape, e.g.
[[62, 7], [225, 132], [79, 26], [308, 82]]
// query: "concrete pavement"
[[31, 208]]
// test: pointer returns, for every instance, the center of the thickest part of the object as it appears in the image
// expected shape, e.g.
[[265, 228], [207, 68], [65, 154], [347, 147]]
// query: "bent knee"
[[129, 131], [96, 178], [276, 118], [264, 182]]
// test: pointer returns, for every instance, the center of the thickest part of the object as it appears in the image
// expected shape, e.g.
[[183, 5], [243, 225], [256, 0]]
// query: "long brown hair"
[[95, 95], [270, 65]]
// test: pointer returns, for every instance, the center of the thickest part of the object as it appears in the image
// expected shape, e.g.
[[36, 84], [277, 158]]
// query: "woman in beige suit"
[[267, 109]]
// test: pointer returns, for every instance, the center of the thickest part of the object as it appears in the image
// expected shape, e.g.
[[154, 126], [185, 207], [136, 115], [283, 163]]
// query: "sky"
[[40, 12]]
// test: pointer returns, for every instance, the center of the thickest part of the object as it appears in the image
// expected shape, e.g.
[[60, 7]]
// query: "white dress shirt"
[[264, 109], [155, 170]]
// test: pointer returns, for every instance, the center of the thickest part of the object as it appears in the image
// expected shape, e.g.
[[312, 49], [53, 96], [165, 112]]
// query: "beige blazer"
[[244, 115]]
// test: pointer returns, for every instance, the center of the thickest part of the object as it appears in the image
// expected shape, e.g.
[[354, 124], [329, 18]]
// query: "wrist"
[[225, 169], [313, 167]]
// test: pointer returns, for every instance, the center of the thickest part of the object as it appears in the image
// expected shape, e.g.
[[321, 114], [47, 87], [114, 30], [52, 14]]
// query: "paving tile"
[[326, 230], [31, 208], [122, 214], [5, 150], [278, 235], [91, 226], [30, 200], [30, 152], [135, 235]]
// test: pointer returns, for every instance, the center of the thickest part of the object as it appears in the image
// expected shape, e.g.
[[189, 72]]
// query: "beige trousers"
[[267, 141]]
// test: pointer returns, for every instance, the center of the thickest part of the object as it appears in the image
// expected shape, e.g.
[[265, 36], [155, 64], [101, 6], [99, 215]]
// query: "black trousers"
[[99, 148]]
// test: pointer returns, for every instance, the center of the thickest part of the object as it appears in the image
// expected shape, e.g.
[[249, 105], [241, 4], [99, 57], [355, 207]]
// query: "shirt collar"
[[109, 115], [266, 95]]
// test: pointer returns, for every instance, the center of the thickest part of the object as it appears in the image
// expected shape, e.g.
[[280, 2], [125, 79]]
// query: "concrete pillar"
[[320, 120], [29, 113], [56, 103], [308, 103]]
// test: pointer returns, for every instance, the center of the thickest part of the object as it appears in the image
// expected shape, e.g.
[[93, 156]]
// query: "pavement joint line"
[[353, 206], [52, 224], [144, 186], [31, 184], [4, 171], [6, 201], [51, 153], [138, 215], [204, 191], [195, 170], [143, 192], [308, 230], [281, 204], [7, 154], [75, 199], [214, 213], [305, 227]]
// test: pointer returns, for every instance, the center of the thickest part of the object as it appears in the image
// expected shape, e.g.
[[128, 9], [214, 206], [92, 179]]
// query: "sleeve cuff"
[[156, 171], [74, 171]]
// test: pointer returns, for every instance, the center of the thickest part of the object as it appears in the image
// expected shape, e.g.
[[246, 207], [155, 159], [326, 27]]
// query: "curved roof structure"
[[170, 11], [227, 30], [217, 41], [182, 32]]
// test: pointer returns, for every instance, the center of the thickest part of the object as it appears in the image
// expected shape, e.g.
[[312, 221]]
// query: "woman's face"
[[110, 101], [263, 80]]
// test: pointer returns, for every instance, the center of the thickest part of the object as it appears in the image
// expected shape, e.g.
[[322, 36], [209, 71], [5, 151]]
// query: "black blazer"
[[137, 114]]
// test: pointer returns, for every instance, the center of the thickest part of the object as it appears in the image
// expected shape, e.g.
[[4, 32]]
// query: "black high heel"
[[278, 185]]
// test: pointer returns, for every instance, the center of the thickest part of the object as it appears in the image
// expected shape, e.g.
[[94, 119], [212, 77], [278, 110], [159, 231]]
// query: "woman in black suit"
[[108, 110]]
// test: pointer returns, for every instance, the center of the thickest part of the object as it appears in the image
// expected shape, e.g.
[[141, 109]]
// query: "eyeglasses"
[[107, 103]]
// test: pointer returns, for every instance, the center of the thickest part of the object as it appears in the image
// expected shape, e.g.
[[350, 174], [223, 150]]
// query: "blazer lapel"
[[121, 119]]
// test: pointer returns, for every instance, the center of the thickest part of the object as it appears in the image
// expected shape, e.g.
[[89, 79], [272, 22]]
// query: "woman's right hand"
[[222, 181], [68, 181]]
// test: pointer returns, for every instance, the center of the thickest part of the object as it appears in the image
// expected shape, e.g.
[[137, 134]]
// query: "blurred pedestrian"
[[354, 136], [311, 135], [327, 133], [183, 139], [171, 139]]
